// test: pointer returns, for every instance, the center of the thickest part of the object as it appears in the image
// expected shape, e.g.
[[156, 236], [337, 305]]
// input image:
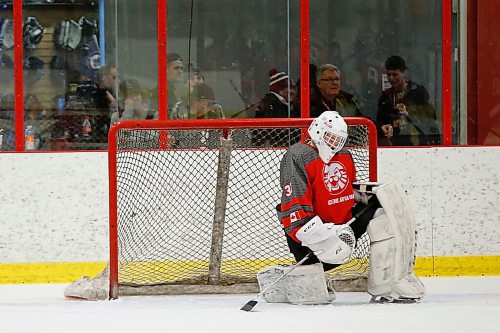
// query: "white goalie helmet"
[[328, 132]]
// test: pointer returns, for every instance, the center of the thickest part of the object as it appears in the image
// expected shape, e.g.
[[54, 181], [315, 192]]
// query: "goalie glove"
[[332, 244], [33, 33], [7, 34]]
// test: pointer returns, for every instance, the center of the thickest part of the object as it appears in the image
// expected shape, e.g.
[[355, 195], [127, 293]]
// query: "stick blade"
[[249, 306]]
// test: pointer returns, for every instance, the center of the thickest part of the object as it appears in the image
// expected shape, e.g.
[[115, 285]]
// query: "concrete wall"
[[54, 206]]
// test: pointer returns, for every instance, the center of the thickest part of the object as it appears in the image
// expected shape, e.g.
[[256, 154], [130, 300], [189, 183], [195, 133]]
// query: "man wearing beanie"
[[405, 116], [277, 103], [329, 96]]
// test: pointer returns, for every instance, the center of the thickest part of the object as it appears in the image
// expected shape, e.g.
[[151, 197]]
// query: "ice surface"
[[466, 304]]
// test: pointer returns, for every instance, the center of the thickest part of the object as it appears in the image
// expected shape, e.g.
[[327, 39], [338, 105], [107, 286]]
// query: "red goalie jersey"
[[310, 187]]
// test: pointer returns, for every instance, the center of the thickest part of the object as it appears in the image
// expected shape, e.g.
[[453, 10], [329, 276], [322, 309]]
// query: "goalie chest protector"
[[331, 187], [324, 189]]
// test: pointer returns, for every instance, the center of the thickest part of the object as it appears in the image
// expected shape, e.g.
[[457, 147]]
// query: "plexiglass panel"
[[61, 58], [85, 67], [133, 50], [230, 46], [359, 36]]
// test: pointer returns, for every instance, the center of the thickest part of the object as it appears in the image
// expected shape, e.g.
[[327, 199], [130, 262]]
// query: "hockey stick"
[[253, 302], [235, 88]]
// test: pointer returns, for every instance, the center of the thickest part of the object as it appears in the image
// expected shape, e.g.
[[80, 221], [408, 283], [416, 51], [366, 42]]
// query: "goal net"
[[193, 204]]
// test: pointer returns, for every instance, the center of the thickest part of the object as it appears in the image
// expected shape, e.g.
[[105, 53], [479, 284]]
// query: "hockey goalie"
[[324, 211]]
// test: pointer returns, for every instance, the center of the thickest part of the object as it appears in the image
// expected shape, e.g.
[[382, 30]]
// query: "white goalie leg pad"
[[266, 276], [304, 285], [393, 246], [382, 254]]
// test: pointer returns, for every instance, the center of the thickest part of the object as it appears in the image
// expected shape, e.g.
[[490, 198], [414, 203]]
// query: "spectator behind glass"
[[277, 103], [199, 89], [175, 73], [33, 108], [105, 99], [404, 116], [131, 93], [203, 104], [329, 96], [195, 76]]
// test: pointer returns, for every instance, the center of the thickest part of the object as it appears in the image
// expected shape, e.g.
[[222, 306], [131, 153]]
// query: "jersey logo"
[[335, 177]]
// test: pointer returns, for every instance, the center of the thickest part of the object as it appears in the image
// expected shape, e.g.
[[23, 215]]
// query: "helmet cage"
[[334, 141], [328, 132]]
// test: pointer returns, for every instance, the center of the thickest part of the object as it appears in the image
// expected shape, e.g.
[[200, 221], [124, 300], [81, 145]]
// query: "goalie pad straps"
[[366, 187], [364, 191], [304, 285], [393, 246]]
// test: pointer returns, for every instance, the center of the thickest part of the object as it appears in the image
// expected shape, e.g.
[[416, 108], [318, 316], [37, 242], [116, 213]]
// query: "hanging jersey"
[[310, 187]]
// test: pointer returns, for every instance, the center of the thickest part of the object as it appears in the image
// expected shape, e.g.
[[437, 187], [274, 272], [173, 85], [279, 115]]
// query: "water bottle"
[[86, 126], [60, 105], [29, 138]]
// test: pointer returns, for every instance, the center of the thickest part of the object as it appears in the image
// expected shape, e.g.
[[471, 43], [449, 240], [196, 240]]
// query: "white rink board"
[[55, 205]]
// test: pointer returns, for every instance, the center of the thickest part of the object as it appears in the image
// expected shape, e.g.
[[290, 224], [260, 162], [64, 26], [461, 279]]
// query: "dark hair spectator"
[[175, 73], [405, 116], [131, 96]]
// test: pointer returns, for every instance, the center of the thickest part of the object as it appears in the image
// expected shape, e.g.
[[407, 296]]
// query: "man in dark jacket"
[[277, 103], [404, 116]]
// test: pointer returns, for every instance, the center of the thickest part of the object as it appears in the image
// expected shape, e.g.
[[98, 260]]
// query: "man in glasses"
[[328, 95], [319, 196]]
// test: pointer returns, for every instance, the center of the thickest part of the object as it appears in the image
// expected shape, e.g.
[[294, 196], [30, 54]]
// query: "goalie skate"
[[390, 299]]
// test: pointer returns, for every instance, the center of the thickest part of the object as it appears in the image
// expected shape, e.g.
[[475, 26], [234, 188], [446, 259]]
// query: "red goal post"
[[192, 202]]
